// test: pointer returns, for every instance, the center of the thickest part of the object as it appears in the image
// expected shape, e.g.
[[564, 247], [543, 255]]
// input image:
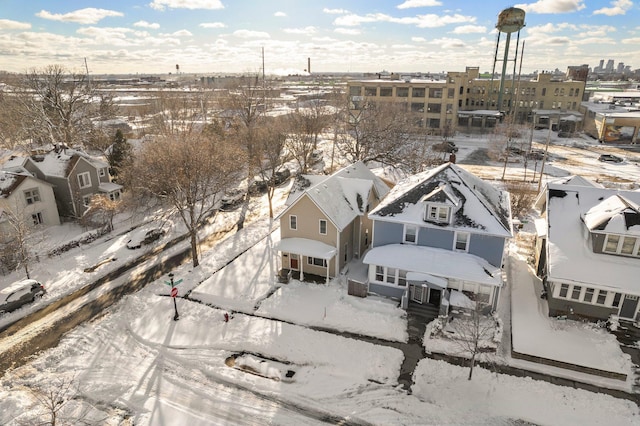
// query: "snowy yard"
[[135, 365]]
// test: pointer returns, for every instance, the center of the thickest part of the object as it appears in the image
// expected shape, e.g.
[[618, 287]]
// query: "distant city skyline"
[[224, 36]]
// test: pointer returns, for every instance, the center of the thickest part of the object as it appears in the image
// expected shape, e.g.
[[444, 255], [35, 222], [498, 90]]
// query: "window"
[[316, 261], [616, 300], [611, 243], [386, 91], [391, 275], [588, 295], [564, 289], [435, 93], [417, 106], [577, 91], [418, 92], [434, 108], [544, 91], [114, 196], [370, 91], [84, 179], [438, 213], [451, 92], [402, 278], [32, 196], [628, 243], [323, 227], [462, 241], [379, 273], [293, 222], [37, 218], [602, 297], [410, 234], [575, 294], [402, 92], [86, 200], [102, 172], [354, 90]]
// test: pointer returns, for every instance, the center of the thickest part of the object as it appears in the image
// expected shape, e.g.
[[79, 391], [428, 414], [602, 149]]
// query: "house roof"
[[306, 247], [341, 196], [483, 208], [616, 214], [541, 199], [9, 182], [61, 162], [436, 262], [570, 254]]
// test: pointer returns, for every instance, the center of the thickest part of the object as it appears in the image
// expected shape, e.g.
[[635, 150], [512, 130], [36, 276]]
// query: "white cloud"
[[89, 15], [305, 30], [251, 34], [553, 6], [420, 21], [419, 3], [448, 43], [620, 7], [213, 25], [280, 14], [186, 4], [145, 24], [182, 33], [418, 39], [347, 31], [468, 29], [6, 24], [335, 11], [631, 40]]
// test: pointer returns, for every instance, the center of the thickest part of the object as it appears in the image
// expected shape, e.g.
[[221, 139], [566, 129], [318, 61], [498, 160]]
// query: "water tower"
[[510, 21]]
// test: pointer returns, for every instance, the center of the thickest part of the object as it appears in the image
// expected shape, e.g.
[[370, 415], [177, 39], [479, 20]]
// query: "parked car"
[[445, 146], [536, 154], [231, 199], [610, 158], [19, 294], [258, 187], [144, 236], [315, 157], [281, 176]]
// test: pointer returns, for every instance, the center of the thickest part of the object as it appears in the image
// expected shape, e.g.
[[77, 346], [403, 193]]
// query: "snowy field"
[[269, 364]]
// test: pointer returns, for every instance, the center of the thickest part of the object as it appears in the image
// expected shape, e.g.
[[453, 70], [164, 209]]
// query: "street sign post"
[[174, 294]]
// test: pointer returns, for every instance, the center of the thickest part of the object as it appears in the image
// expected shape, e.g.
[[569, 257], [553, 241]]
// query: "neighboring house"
[[439, 230], [23, 195], [589, 238], [325, 224], [75, 177]]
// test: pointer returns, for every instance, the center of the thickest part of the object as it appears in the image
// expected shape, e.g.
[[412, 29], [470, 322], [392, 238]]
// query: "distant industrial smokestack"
[[309, 65]]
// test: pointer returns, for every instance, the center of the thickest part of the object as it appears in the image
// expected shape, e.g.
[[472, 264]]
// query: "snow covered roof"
[[341, 196], [481, 207], [541, 199], [306, 247], [62, 161], [570, 254], [616, 214], [109, 187], [435, 261]]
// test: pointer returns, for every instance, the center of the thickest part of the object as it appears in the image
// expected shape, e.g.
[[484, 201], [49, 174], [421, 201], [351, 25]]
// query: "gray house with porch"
[[439, 230]]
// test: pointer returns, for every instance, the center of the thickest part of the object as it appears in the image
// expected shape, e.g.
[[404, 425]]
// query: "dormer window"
[[438, 213], [619, 244]]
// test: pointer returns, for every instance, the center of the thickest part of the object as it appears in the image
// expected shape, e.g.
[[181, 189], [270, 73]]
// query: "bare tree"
[[271, 142], [472, 332], [522, 196], [189, 171], [58, 105], [20, 240], [374, 132], [101, 212]]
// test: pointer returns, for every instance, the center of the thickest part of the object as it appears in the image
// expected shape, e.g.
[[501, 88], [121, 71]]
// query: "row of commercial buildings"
[[465, 101]]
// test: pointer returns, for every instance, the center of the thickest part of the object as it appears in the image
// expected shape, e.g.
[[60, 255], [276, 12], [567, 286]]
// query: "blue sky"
[[217, 36]]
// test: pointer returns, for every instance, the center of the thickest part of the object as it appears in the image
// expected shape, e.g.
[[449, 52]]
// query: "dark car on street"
[[144, 236], [610, 158], [20, 294]]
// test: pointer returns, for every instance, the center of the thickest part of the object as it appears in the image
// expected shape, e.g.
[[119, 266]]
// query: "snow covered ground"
[[135, 365]]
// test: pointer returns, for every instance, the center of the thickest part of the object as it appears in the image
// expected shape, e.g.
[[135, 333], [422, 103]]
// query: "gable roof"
[[481, 206], [342, 196], [61, 162], [576, 180], [10, 180]]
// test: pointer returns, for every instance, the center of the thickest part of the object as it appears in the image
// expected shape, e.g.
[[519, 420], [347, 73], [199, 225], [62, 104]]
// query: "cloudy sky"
[[217, 36]]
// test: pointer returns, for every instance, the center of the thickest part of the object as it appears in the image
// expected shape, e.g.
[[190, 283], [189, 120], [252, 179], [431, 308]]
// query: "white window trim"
[[86, 200], [102, 172], [39, 217], [455, 241], [293, 217], [326, 227], [34, 196], [439, 207], [415, 235], [636, 247], [86, 177]]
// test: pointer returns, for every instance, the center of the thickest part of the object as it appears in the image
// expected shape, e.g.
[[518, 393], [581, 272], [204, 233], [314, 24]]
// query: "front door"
[[293, 262], [434, 296], [629, 306], [418, 294]]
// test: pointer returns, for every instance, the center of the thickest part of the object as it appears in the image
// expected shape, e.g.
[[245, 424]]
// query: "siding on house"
[[436, 237], [387, 233], [488, 247]]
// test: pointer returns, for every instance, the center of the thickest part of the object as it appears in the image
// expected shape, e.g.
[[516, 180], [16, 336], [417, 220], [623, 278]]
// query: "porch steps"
[[423, 313]]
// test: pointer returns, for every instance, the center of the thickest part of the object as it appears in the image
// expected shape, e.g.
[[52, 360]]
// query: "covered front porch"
[[296, 253]]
